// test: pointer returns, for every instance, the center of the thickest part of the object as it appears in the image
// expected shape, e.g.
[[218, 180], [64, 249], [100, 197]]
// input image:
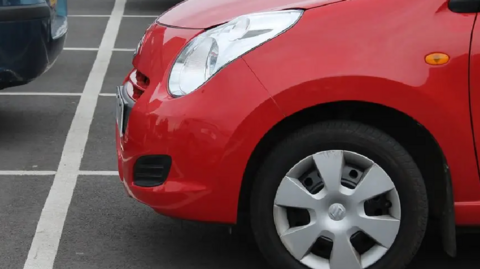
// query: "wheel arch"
[[407, 131]]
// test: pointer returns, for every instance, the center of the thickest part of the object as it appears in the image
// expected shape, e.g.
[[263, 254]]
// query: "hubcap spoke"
[[330, 165], [374, 182], [344, 254], [291, 193], [299, 240], [383, 229]]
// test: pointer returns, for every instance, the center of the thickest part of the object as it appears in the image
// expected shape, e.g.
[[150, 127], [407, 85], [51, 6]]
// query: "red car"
[[337, 129]]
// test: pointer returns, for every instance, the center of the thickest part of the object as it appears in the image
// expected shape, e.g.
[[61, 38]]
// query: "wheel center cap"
[[337, 212]]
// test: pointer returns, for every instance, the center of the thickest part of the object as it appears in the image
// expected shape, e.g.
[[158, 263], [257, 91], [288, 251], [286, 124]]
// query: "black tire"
[[356, 137]]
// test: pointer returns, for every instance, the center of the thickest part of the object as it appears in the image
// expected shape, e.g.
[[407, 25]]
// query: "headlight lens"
[[214, 49]]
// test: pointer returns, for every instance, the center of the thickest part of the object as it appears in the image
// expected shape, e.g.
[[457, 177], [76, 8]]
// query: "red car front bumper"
[[209, 134]]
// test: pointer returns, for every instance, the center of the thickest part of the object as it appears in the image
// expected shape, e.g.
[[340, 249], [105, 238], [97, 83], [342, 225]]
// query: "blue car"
[[32, 35]]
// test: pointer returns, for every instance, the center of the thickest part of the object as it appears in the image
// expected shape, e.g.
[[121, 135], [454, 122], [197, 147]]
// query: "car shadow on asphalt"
[[432, 255], [202, 246], [211, 246]]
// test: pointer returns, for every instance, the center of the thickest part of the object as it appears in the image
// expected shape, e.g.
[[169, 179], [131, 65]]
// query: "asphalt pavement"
[[61, 203]]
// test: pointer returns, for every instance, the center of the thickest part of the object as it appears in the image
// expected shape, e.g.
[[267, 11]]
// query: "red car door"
[[475, 84]]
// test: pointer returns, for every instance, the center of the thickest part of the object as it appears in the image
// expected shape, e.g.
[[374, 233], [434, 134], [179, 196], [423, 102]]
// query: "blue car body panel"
[[32, 36]]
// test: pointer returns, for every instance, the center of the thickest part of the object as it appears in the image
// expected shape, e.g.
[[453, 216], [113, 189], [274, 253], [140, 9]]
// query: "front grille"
[[151, 171], [140, 83]]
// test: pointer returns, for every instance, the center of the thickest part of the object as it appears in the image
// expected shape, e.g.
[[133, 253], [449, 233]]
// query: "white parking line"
[[42, 93], [89, 16], [51, 94], [27, 173], [98, 173], [51, 173], [140, 16], [81, 49], [50, 226], [125, 50], [96, 49], [107, 16]]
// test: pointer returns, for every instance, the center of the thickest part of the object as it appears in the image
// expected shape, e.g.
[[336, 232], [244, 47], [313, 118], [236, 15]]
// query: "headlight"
[[214, 49]]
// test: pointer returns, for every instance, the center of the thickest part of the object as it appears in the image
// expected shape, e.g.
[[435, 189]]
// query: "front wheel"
[[339, 195]]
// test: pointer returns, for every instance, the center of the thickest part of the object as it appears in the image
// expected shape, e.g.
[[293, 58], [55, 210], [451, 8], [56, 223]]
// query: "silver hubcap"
[[336, 212]]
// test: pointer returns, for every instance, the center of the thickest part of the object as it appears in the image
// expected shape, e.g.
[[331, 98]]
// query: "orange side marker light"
[[437, 58]]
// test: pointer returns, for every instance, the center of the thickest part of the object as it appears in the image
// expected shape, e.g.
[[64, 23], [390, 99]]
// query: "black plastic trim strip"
[[24, 13], [464, 6], [128, 104]]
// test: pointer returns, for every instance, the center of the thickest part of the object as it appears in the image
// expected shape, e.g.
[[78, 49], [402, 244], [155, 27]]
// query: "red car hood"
[[201, 14]]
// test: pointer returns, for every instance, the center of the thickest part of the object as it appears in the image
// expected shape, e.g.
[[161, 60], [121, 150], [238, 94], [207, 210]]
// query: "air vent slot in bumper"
[[151, 171]]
